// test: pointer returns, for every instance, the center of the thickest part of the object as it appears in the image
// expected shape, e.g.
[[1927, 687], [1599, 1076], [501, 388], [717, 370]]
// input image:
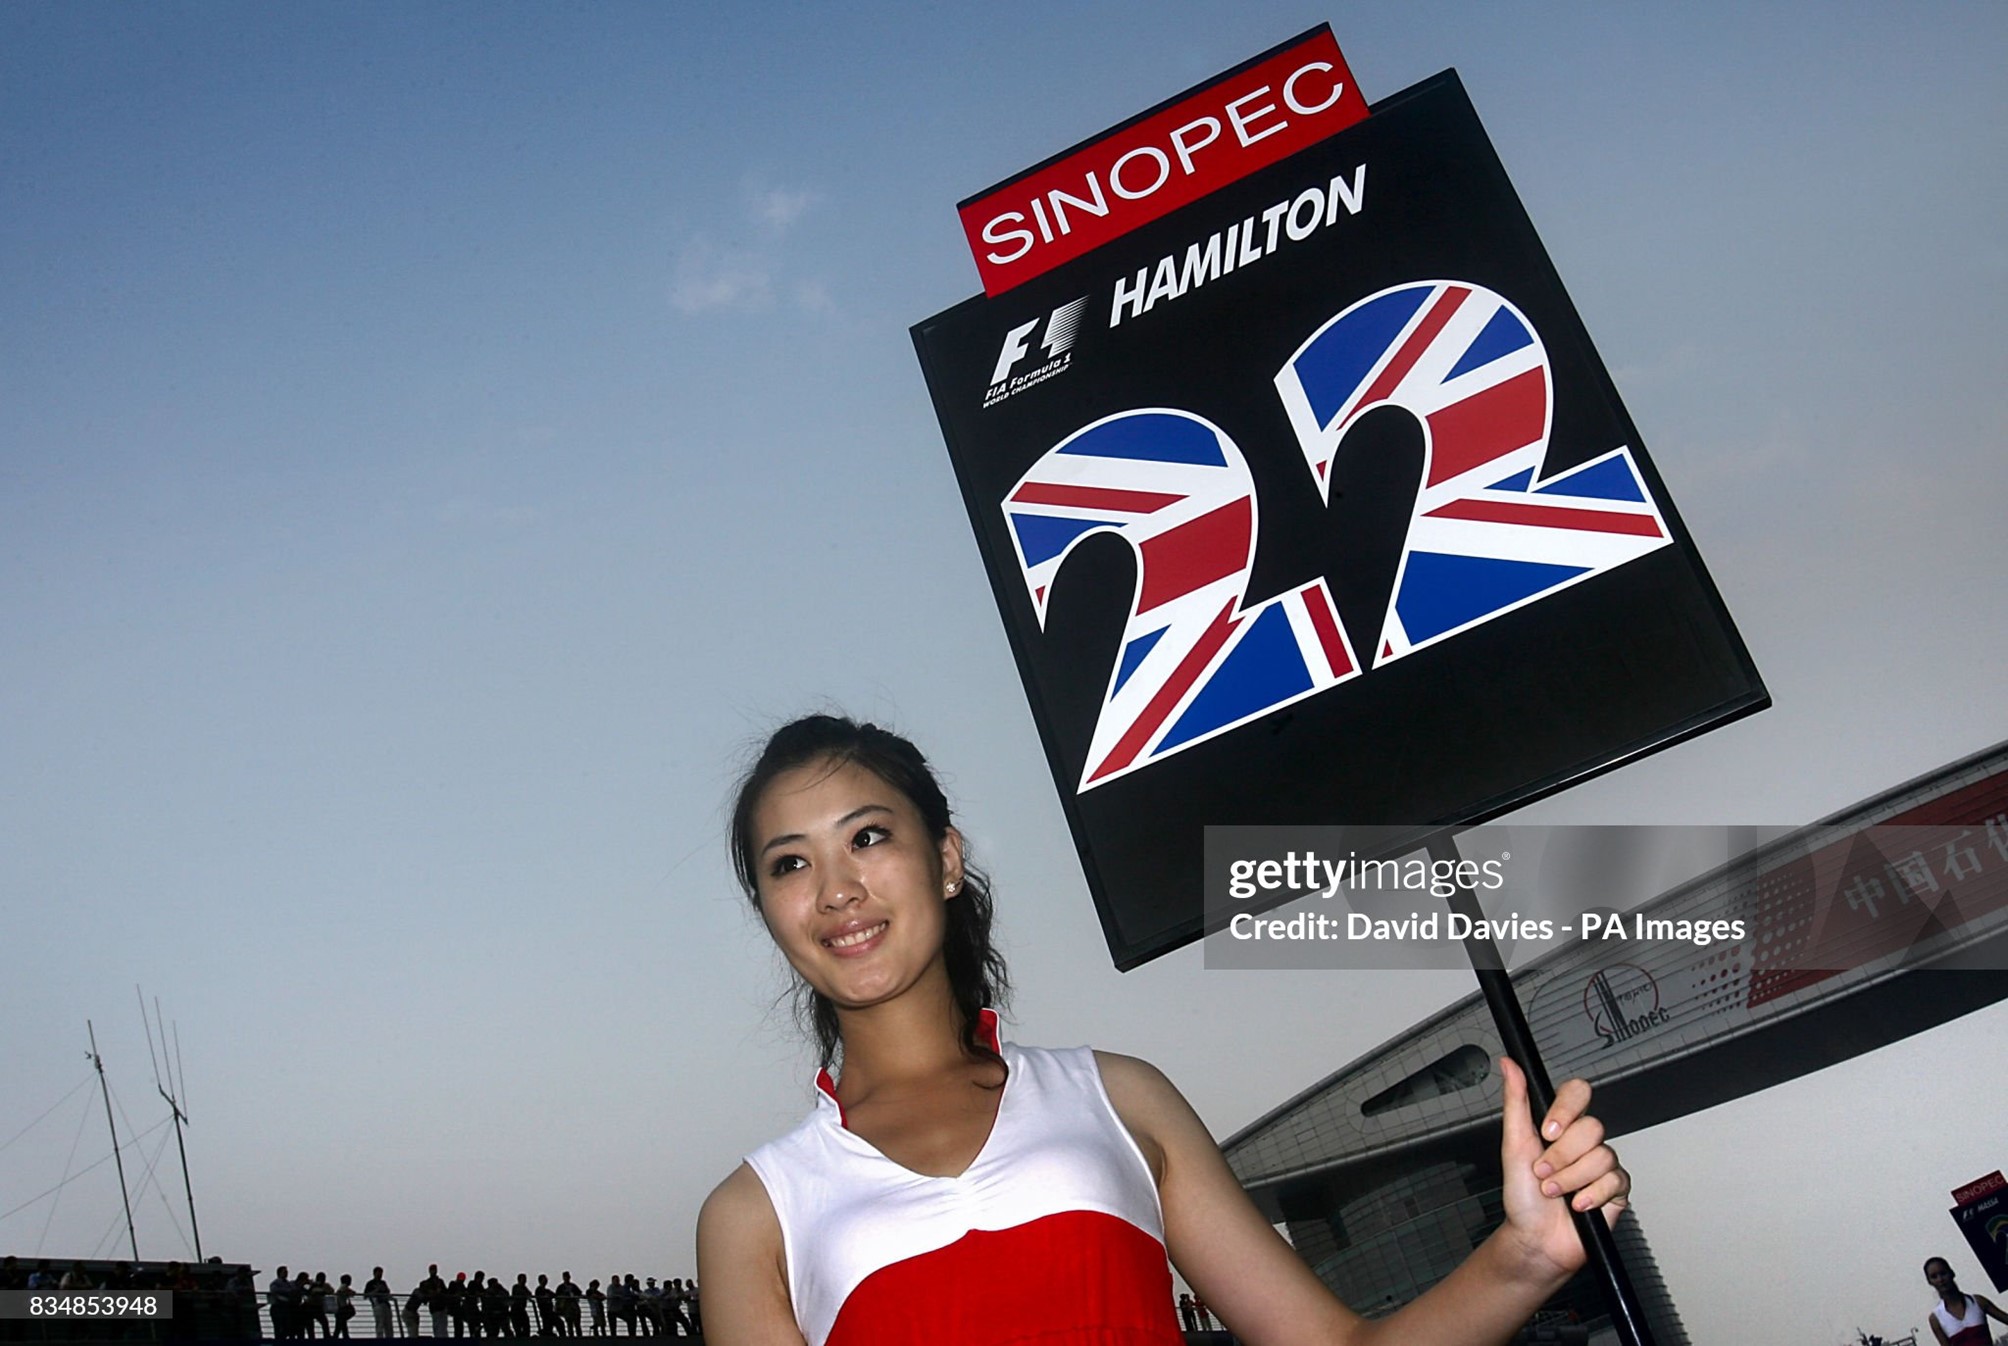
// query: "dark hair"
[[976, 975], [1940, 1260]]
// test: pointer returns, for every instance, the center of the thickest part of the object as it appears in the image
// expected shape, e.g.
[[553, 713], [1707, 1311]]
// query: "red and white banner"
[[1200, 141]]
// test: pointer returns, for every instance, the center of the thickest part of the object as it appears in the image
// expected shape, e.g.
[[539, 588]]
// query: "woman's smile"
[[857, 938]]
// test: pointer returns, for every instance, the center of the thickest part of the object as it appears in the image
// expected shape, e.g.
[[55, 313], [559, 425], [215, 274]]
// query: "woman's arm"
[[1987, 1307], [1263, 1291], [740, 1256]]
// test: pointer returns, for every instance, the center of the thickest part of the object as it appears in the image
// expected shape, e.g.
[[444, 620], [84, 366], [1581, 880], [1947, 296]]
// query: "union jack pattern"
[[1194, 663], [1489, 533]]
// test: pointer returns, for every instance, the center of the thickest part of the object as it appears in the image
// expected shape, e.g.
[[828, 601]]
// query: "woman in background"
[[1958, 1319]]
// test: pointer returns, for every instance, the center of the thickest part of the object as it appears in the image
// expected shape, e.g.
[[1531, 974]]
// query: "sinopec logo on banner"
[[1622, 1001], [1252, 117]]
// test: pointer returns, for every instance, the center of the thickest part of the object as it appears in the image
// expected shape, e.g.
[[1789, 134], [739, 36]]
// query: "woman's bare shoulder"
[[742, 1265], [1156, 1115], [1134, 1083], [738, 1221], [739, 1206]]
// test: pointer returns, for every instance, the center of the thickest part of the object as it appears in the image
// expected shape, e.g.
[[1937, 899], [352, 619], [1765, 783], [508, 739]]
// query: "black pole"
[[181, 1087], [173, 1103], [106, 1090], [1497, 986], [193, 1228]]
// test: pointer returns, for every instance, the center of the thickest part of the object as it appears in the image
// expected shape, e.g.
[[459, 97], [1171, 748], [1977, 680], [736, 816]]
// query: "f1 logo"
[[1063, 324]]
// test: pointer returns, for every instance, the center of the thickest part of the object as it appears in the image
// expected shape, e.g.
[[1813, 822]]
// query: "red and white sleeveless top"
[[1970, 1330], [1053, 1232]]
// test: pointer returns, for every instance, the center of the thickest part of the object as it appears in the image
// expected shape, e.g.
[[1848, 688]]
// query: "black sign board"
[[1984, 1221], [1311, 503]]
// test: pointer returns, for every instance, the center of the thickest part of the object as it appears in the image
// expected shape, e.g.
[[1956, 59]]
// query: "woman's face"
[[1939, 1274], [851, 885]]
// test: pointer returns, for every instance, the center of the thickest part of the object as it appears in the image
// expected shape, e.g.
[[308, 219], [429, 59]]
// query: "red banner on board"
[[1979, 1187], [1200, 141]]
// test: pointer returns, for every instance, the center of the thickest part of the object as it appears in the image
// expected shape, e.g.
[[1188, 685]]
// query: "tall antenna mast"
[[106, 1090], [173, 1105]]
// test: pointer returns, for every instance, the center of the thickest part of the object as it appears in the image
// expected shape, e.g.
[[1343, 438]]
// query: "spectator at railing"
[[545, 1299], [621, 1304], [282, 1298], [345, 1305], [596, 1300], [314, 1303], [674, 1308], [472, 1316], [651, 1308], [644, 1320], [460, 1307], [377, 1291], [567, 1295], [432, 1294], [519, 1306], [495, 1307]]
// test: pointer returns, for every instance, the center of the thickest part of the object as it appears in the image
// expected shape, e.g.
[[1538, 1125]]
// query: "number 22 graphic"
[[1488, 532]]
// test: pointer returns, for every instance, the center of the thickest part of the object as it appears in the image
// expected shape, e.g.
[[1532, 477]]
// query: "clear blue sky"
[[436, 439]]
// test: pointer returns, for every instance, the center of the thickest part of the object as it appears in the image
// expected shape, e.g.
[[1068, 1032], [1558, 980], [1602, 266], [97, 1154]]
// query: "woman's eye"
[[870, 836], [786, 864]]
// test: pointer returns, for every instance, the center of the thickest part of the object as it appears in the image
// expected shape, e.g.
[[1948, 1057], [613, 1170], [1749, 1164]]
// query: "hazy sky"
[[436, 440]]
